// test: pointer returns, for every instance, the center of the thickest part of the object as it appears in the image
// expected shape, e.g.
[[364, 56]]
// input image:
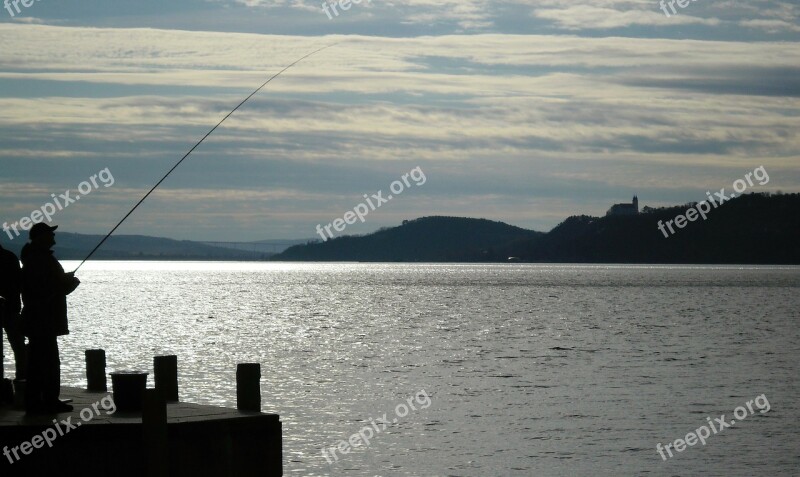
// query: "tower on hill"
[[625, 209]]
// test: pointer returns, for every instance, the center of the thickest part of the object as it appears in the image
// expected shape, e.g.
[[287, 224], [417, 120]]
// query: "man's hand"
[[72, 282]]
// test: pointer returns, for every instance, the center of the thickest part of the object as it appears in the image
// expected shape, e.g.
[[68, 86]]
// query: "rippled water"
[[544, 370]]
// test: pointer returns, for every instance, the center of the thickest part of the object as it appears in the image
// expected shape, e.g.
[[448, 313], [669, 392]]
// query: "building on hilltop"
[[625, 209]]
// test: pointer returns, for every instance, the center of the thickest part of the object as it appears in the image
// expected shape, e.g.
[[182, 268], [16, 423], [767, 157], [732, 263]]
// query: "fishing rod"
[[193, 148]]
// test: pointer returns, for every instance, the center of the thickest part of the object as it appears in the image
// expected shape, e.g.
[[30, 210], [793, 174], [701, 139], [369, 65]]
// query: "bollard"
[[128, 388], [96, 370], [248, 387], [154, 433], [2, 356], [166, 376]]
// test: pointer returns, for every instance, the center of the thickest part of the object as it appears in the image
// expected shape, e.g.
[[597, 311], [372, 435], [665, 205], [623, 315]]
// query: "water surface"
[[545, 370]]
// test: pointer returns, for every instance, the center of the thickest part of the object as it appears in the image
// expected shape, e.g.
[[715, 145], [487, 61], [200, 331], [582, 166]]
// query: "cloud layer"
[[592, 104]]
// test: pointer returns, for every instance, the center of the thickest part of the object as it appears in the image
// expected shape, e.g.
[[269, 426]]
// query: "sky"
[[521, 111]]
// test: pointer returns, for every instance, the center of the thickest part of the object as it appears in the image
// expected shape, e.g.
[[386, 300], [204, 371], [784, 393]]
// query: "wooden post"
[[96, 370], [166, 376], [6, 388], [248, 387], [2, 356], [154, 429]]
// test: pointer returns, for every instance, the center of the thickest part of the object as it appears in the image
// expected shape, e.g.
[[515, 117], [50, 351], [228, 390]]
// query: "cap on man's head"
[[40, 229]]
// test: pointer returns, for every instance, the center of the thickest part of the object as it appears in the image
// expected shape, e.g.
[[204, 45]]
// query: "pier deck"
[[200, 440]]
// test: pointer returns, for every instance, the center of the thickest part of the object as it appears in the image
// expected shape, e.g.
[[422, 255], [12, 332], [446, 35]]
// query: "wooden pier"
[[164, 439]]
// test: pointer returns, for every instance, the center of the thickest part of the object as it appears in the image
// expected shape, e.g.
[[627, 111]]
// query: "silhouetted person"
[[10, 283], [45, 287]]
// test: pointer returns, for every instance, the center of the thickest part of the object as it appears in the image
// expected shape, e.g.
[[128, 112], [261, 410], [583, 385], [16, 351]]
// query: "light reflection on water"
[[532, 369]]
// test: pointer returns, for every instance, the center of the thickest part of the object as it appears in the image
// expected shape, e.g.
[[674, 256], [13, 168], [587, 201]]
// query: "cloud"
[[771, 26], [587, 17], [494, 119]]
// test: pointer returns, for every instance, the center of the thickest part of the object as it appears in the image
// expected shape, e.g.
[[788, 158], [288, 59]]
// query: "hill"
[[427, 239], [71, 246], [750, 229]]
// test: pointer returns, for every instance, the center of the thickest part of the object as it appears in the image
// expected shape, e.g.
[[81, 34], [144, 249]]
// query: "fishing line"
[[192, 149]]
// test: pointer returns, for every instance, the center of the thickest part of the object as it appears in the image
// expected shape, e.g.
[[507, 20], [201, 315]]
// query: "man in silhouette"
[[10, 282], [45, 287]]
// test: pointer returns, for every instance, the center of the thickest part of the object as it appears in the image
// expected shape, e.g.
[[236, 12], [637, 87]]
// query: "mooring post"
[[154, 433], [2, 356], [166, 376], [248, 387], [6, 388], [96, 370]]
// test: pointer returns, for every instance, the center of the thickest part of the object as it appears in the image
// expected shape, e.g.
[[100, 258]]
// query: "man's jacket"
[[45, 287]]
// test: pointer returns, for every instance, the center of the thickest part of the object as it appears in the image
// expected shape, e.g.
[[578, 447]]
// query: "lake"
[[472, 369]]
